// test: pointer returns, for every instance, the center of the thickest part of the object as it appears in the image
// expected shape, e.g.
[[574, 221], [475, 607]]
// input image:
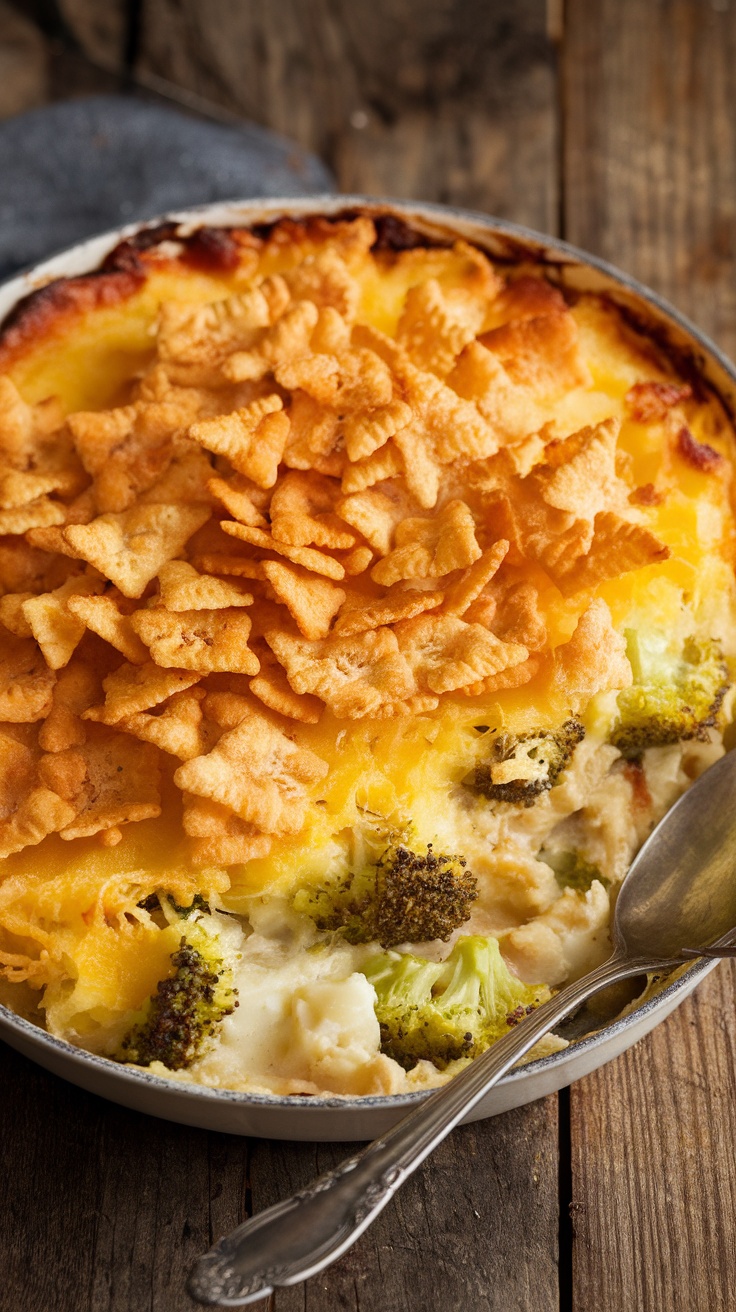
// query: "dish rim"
[[248, 213]]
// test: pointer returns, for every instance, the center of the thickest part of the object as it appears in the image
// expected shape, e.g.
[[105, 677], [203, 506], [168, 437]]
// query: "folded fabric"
[[77, 167]]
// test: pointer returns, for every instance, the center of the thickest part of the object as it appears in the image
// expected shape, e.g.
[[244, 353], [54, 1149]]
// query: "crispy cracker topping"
[[294, 514], [257, 772]]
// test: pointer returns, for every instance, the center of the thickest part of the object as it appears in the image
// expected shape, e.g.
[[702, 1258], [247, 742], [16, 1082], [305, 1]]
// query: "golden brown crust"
[[698, 454], [48, 311]]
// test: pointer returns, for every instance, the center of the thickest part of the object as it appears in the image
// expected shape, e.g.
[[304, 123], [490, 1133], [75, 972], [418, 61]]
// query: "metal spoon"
[[680, 891]]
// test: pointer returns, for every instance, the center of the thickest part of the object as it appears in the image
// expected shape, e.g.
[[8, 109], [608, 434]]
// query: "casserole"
[[251, 1110]]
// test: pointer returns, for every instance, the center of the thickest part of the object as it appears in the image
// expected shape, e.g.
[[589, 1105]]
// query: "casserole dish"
[[323, 1117]]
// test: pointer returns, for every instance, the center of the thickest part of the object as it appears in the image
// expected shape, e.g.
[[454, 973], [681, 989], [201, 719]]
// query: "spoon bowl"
[[680, 891]]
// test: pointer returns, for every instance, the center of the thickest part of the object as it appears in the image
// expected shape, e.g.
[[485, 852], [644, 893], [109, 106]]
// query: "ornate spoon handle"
[[298, 1237]]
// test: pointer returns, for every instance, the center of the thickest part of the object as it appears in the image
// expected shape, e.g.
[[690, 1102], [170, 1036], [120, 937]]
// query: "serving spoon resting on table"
[[678, 901]]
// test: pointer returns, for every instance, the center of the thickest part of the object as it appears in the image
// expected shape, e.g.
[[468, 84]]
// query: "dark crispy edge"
[[37, 315], [43, 313], [121, 274], [686, 360], [46, 312]]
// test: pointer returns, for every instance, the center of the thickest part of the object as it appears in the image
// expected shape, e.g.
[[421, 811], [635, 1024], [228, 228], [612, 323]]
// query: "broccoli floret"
[[186, 1008], [441, 1011], [153, 903], [572, 870], [676, 694], [523, 766], [403, 897], [198, 903]]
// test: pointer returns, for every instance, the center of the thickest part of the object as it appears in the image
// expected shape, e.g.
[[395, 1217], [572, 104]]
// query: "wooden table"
[[612, 123]]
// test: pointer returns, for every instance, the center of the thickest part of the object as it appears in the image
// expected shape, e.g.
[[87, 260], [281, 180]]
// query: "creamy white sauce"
[[306, 1023]]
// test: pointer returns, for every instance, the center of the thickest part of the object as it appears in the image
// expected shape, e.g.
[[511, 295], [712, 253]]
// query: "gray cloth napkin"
[[78, 167]]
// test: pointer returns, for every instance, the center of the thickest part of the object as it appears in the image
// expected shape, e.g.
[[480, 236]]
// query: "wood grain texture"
[[649, 148], [449, 100], [102, 30], [41, 58], [104, 1210], [654, 1169], [23, 63]]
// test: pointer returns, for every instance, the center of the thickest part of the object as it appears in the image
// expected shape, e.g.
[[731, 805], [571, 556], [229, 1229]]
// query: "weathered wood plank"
[[102, 30], [654, 1185], [450, 1240], [104, 1210], [444, 101], [649, 148], [23, 63], [39, 64]]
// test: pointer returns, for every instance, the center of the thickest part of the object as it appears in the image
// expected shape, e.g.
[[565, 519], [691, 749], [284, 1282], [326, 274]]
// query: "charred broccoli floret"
[[572, 870], [676, 694], [198, 903], [153, 903], [403, 897], [523, 766], [186, 1008], [440, 1011]]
